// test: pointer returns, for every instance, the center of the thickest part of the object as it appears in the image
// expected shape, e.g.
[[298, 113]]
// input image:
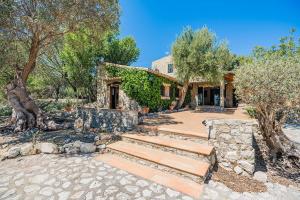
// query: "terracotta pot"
[[146, 110]]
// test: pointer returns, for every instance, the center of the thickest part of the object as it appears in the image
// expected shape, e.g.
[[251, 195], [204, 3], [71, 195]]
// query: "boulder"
[[13, 152], [87, 147], [260, 176], [46, 147], [26, 149]]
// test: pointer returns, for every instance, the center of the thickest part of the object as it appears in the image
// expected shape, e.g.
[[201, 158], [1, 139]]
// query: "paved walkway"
[[293, 132], [191, 121], [76, 177], [83, 177]]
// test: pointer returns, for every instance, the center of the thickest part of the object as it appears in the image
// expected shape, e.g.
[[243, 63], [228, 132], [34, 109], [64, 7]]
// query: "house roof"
[[144, 69]]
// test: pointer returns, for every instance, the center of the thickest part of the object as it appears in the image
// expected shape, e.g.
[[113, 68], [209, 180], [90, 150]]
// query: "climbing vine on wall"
[[144, 87]]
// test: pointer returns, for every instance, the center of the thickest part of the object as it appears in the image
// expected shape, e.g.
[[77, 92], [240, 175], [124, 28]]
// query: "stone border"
[[233, 141], [51, 148]]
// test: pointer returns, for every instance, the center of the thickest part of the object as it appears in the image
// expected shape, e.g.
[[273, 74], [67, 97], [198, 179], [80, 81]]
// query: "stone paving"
[[82, 177], [74, 177]]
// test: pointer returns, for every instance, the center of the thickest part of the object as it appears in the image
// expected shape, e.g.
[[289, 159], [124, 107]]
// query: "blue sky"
[[244, 24]]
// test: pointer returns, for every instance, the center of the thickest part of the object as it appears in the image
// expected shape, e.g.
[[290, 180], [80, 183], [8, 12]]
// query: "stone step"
[[169, 180], [180, 165], [199, 137], [181, 147]]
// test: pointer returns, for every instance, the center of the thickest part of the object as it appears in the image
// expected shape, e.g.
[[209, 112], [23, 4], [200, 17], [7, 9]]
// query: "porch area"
[[207, 95]]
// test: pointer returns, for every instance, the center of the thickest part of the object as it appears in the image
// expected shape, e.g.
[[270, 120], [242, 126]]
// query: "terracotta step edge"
[[184, 133], [139, 138], [177, 183], [116, 147]]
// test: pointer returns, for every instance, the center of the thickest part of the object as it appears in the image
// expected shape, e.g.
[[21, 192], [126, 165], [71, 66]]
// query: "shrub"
[[5, 111]]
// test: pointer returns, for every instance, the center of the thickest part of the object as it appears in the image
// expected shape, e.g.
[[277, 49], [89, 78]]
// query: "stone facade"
[[127, 103], [106, 119], [233, 140]]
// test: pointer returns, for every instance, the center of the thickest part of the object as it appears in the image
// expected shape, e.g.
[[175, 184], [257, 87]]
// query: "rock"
[[13, 152], [260, 176], [61, 149], [87, 148], [238, 170], [72, 148], [46, 147], [232, 156], [26, 149], [101, 147], [246, 166], [78, 125], [172, 193], [97, 138]]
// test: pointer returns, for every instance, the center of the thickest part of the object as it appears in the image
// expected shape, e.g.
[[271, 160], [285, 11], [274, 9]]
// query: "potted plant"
[[145, 109]]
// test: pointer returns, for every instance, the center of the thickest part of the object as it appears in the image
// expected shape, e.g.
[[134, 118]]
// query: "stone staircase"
[[177, 159]]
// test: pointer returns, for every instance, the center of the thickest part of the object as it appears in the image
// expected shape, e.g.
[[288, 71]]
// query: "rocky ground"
[[48, 176]]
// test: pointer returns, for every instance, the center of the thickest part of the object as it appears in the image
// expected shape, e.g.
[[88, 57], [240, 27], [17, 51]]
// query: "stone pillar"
[[229, 95], [222, 99], [194, 95], [102, 89]]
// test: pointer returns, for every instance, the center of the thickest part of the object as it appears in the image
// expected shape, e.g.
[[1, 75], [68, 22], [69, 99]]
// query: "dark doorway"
[[114, 97]]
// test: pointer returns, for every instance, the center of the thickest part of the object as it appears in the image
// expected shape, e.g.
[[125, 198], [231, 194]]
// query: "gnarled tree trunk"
[[279, 144], [26, 113], [183, 94]]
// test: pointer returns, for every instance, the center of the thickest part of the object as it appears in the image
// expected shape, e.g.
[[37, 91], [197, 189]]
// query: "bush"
[[5, 111], [51, 107], [251, 112]]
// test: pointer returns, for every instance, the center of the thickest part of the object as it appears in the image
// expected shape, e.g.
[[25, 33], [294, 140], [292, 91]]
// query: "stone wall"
[[127, 103], [105, 120], [233, 140], [102, 88]]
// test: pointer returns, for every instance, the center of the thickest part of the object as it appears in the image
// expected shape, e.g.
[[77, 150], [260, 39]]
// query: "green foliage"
[[143, 86], [251, 111], [197, 53], [119, 51], [5, 110], [81, 53], [79, 57], [288, 46], [52, 107]]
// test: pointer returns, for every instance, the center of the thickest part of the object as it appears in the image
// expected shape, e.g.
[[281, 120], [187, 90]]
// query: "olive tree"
[[271, 84], [36, 24], [269, 81], [198, 54]]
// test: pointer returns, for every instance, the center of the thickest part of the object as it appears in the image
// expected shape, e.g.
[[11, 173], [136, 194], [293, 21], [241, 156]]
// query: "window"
[[162, 90], [165, 91], [170, 68]]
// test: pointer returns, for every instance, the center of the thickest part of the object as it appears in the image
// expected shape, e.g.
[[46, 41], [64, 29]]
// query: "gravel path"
[[82, 177]]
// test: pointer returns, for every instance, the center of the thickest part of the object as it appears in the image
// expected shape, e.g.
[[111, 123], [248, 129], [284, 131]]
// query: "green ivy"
[[144, 87]]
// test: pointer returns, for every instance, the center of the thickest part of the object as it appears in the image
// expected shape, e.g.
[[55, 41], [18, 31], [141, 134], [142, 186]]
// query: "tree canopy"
[[198, 54], [270, 83]]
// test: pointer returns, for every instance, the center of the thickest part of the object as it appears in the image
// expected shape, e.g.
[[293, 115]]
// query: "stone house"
[[204, 94], [110, 94]]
